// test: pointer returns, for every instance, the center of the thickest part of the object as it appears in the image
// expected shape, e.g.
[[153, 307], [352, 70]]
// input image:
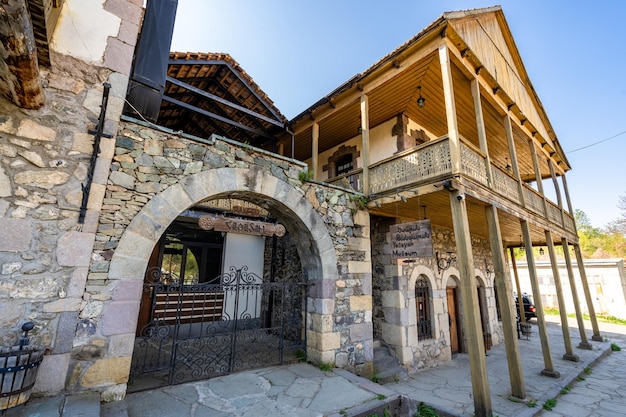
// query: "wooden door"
[[452, 318]]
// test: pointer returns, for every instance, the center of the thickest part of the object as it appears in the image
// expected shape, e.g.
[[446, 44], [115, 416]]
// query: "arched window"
[[422, 306]]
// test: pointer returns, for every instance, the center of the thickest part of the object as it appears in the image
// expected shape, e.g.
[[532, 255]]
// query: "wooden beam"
[[19, 70]]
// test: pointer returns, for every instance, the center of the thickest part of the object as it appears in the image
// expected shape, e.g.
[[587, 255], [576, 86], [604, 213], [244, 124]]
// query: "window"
[[422, 305], [344, 164]]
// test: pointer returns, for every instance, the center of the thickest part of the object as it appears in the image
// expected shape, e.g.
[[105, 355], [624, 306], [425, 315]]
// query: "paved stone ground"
[[304, 390]]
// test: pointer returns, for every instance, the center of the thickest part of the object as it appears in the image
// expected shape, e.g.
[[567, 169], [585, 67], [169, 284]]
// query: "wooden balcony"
[[431, 162]]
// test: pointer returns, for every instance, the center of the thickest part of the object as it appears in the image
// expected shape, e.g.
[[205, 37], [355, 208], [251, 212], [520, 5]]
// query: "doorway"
[[453, 319], [201, 318]]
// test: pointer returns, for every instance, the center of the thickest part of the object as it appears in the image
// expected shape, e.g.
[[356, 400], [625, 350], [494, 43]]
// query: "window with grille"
[[422, 305]]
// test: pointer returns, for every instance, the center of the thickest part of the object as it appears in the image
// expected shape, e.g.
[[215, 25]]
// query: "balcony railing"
[[416, 165], [432, 159]]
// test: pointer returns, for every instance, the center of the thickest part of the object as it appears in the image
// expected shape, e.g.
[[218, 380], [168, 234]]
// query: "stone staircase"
[[386, 367]]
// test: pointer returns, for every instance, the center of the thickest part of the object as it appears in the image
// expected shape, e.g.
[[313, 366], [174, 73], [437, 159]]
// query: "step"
[[386, 367], [86, 404]]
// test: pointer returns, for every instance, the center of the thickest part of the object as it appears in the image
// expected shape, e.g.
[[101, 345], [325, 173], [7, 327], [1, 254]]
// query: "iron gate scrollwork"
[[200, 331]]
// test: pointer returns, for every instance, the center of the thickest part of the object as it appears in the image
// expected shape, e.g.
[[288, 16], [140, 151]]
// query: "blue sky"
[[298, 51]]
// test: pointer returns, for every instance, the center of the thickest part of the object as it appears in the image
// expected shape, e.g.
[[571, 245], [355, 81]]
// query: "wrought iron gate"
[[199, 331]]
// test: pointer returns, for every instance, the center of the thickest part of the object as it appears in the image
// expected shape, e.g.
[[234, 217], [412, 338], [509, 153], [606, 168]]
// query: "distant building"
[[607, 285]]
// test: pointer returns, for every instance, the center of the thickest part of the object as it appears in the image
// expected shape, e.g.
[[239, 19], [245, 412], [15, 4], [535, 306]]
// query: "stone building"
[[164, 222]]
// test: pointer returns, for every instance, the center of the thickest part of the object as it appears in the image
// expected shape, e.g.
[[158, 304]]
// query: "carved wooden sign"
[[411, 240], [245, 227]]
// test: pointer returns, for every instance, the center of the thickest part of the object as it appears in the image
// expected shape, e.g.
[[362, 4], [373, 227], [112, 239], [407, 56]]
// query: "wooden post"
[[448, 95], [592, 312], [365, 143], [541, 321], [513, 154], [503, 285], [569, 354], [315, 132], [480, 125], [471, 314], [584, 344], [520, 300]]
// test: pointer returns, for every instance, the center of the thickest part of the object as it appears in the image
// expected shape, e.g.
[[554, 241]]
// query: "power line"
[[596, 143]]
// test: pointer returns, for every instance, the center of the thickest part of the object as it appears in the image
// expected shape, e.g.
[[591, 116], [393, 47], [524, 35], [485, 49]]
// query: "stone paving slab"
[[306, 391]]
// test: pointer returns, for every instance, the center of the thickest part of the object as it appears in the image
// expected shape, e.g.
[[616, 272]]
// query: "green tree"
[[619, 225]]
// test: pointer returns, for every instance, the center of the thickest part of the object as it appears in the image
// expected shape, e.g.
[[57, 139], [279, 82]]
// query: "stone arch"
[[422, 270], [314, 243], [296, 213]]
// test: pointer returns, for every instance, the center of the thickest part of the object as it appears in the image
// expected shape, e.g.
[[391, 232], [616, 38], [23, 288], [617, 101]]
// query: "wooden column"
[[592, 311], [448, 95], [584, 344], [520, 300], [480, 125], [471, 312], [555, 181], [315, 136], [365, 143], [508, 128], [507, 311], [541, 321], [569, 354], [570, 207]]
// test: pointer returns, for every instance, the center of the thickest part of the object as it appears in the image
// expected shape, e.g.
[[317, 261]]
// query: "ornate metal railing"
[[413, 166]]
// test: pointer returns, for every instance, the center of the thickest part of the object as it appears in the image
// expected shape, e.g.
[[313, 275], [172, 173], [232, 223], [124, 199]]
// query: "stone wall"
[[394, 321], [146, 164]]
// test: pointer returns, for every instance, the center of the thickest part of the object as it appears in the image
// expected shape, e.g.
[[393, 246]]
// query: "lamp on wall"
[[421, 101], [444, 263], [541, 251]]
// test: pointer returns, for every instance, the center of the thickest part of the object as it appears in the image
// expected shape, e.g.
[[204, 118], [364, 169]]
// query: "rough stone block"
[[360, 332], [360, 267], [30, 129], [16, 235], [360, 303], [394, 335], [127, 290], [74, 248], [121, 345], [329, 341], [52, 374], [118, 56], [63, 304], [120, 317], [393, 299], [321, 323], [105, 372], [66, 331]]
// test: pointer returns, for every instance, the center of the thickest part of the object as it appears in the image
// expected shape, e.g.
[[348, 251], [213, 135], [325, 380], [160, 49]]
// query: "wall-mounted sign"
[[246, 227], [411, 240]]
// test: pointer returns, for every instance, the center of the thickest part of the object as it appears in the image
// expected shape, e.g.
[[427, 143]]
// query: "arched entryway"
[[289, 207]]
